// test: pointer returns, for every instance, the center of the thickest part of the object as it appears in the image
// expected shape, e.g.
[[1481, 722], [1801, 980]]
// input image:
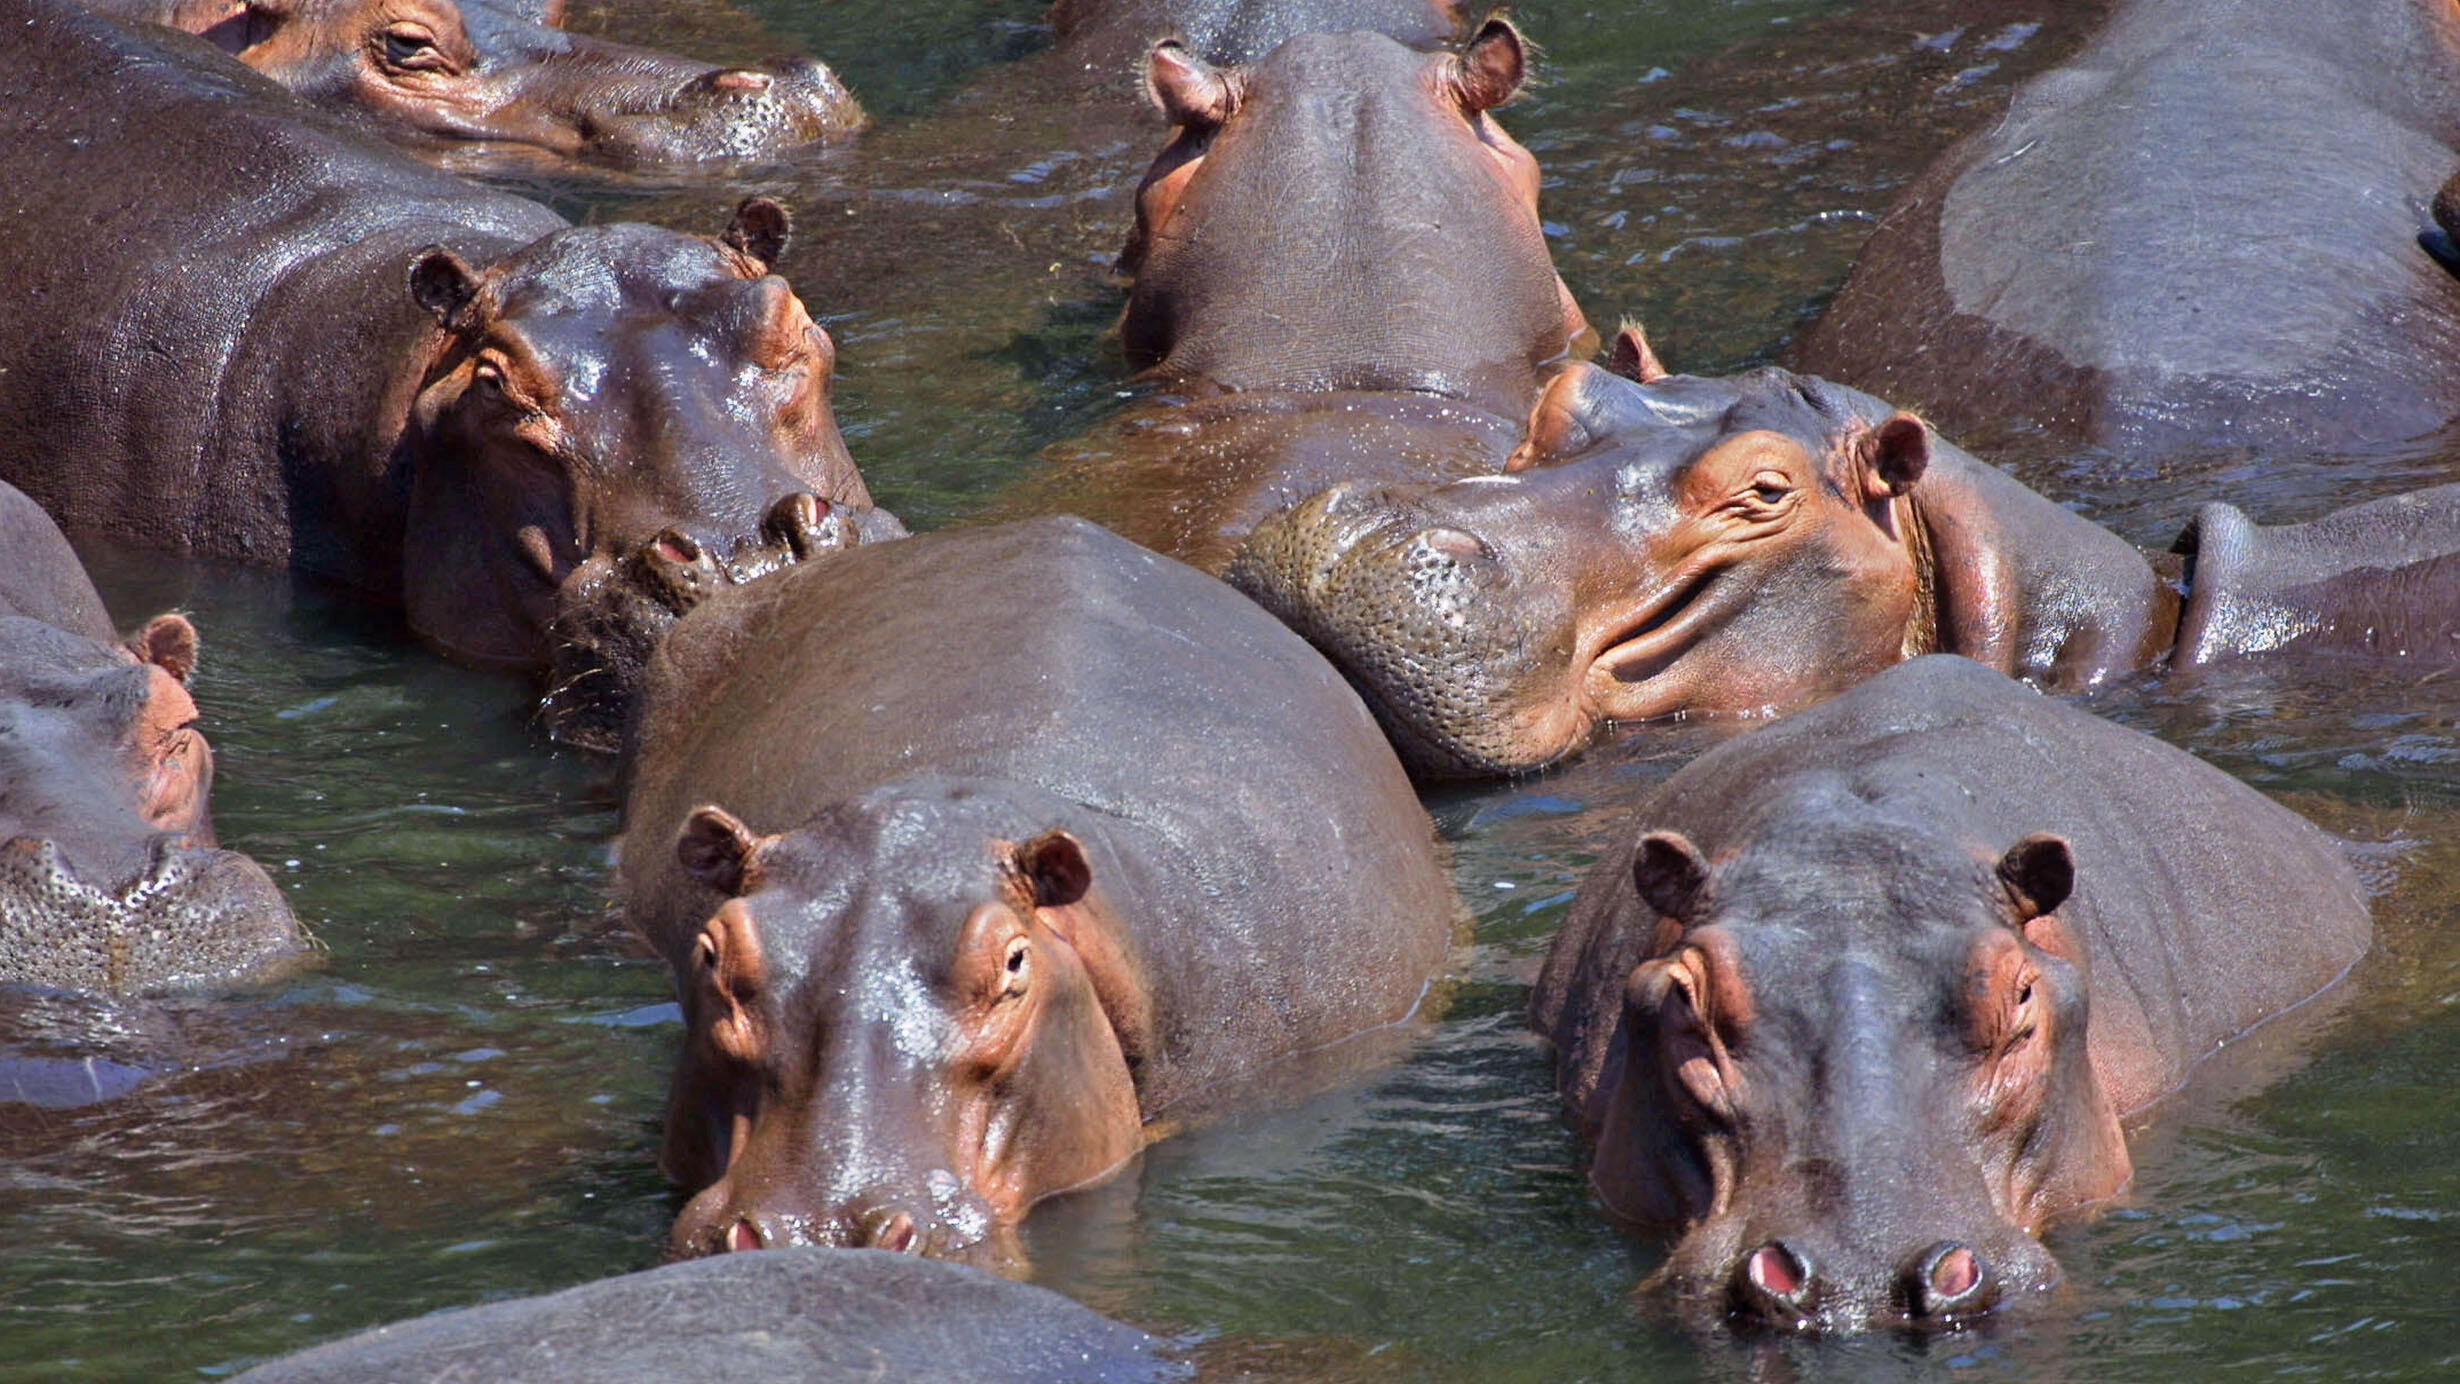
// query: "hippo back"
[[41, 578], [1265, 829]]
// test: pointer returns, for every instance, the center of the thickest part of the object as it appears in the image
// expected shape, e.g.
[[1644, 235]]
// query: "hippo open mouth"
[[188, 917]]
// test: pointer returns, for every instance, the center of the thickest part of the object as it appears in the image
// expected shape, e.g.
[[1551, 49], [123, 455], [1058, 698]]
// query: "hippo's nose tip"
[[893, 1231], [1777, 1283], [1946, 1280], [744, 1235]]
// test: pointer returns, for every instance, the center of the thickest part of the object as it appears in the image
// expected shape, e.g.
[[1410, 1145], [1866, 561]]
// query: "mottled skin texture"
[[1858, 1009], [501, 71], [1114, 33], [110, 879], [966, 928], [1338, 272], [2202, 231], [1679, 545], [348, 363]]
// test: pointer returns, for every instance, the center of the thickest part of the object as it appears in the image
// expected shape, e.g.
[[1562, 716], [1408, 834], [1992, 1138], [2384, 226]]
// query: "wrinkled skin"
[[1113, 33], [951, 937], [1338, 273], [1858, 1009], [487, 70], [442, 396], [110, 878], [2066, 268], [1668, 545]]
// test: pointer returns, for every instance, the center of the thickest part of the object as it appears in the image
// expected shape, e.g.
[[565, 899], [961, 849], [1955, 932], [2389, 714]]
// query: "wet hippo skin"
[[1677, 545], [800, 1316], [245, 332], [2201, 231], [954, 932], [1114, 33], [1338, 272], [1858, 1008], [460, 70], [110, 878]]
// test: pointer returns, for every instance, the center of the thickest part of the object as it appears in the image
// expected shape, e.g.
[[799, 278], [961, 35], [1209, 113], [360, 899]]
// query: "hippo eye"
[[409, 46], [1018, 952]]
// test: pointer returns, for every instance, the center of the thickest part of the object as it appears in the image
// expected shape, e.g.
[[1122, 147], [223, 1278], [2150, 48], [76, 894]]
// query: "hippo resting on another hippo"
[[1021, 875], [1339, 272], [1671, 545], [109, 877], [491, 70], [1860, 1007], [355, 365], [2200, 231]]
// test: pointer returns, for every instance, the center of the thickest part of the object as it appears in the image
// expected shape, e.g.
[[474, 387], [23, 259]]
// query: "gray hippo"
[[1665, 545], [110, 878], [2201, 231], [503, 72], [979, 857], [1114, 33], [1338, 273], [1858, 1008], [243, 331]]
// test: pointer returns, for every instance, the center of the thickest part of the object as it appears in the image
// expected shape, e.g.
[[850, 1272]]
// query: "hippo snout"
[[185, 917], [729, 113], [1802, 1283], [944, 1222]]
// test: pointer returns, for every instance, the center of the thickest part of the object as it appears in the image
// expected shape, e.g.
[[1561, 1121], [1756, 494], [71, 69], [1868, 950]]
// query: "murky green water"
[[460, 1104]]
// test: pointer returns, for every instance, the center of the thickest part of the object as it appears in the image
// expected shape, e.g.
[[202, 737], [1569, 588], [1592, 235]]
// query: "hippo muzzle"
[[722, 115], [188, 917]]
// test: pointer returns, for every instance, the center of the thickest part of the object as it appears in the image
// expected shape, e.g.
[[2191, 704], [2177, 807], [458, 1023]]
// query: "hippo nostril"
[[740, 79], [744, 1236], [677, 547], [892, 1231], [1777, 1282], [1946, 1278], [795, 521], [1454, 542]]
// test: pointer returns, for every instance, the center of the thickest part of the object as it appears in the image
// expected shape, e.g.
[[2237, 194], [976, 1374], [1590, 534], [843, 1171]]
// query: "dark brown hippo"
[[1338, 272], [110, 879], [1670, 545], [955, 934], [461, 70], [1113, 33], [2201, 231], [354, 365], [1859, 1008]]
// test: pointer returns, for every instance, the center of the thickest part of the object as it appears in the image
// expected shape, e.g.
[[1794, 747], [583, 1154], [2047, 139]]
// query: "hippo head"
[[600, 394], [110, 880], [1660, 545], [1863, 1123], [1372, 174], [900, 1029], [483, 70]]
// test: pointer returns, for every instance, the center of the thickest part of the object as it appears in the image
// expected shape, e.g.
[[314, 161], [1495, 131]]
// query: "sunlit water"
[[459, 1104]]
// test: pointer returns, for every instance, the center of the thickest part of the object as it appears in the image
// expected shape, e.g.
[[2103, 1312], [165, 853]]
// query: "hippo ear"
[[1489, 71], [1895, 454], [2039, 872], [169, 643], [1671, 875], [1631, 358], [1187, 88], [717, 849], [758, 231], [442, 282], [1054, 863]]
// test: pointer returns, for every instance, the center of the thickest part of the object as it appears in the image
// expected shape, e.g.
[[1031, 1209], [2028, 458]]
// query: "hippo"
[[807, 1315], [425, 71], [356, 366], [1338, 271], [1671, 545], [2198, 233], [1114, 33], [1859, 1007], [111, 881], [954, 935]]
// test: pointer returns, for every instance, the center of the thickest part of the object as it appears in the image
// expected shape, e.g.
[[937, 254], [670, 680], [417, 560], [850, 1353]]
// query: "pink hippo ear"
[[1631, 358], [1895, 454], [2039, 873], [717, 849], [1671, 875], [1489, 70], [758, 232], [169, 643], [1188, 89], [1054, 864], [442, 282]]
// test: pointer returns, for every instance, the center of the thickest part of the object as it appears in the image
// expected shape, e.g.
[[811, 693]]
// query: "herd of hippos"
[[954, 935]]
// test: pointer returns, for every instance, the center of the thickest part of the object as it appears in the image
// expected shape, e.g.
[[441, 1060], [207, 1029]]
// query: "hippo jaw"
[[1858, 1132], [880, 1068], [189, 918]]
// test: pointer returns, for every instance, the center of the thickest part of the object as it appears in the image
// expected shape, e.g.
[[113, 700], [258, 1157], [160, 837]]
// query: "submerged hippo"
[[349, 363], [2200, 231], [491, 70], [1338, 272], [1674, 545], [1859, 1008], [110, 879], [1107, 33], [952, 933]]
